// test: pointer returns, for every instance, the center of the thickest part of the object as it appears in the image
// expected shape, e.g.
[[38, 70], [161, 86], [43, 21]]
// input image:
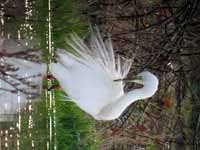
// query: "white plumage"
[[88, 75]]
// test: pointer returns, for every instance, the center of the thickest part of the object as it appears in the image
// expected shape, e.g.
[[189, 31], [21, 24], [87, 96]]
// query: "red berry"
[[167, 102]]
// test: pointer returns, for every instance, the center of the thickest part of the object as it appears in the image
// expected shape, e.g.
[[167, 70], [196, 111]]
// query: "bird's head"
[[145, 77], [148, 80]]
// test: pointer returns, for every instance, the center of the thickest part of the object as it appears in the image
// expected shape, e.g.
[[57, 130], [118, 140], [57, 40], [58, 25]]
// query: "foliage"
[[74, 128], [37, 132], [65, 20]]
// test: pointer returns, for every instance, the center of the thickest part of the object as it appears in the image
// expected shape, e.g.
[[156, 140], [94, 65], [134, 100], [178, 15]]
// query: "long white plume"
[[100, 52]]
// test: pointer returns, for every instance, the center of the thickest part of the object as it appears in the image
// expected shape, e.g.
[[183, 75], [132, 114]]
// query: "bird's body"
[[88, 77], [88, 85]]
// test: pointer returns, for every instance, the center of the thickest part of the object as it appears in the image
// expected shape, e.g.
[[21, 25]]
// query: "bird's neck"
[[115, 109]]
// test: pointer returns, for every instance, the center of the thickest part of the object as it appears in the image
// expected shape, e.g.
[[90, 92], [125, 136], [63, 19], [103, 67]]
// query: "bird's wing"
[[90, 88]]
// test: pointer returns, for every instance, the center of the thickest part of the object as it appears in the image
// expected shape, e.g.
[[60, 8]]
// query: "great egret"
[[93, 78]]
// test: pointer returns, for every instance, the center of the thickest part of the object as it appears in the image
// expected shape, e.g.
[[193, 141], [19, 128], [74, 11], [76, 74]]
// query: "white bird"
[[93, 78]]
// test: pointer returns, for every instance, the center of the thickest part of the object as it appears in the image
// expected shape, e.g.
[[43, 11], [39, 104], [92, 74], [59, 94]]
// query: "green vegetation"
[[75, 129], [66, 19], [34, 130]]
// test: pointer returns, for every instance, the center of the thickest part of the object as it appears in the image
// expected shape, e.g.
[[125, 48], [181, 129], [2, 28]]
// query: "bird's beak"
[[137, 79]]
